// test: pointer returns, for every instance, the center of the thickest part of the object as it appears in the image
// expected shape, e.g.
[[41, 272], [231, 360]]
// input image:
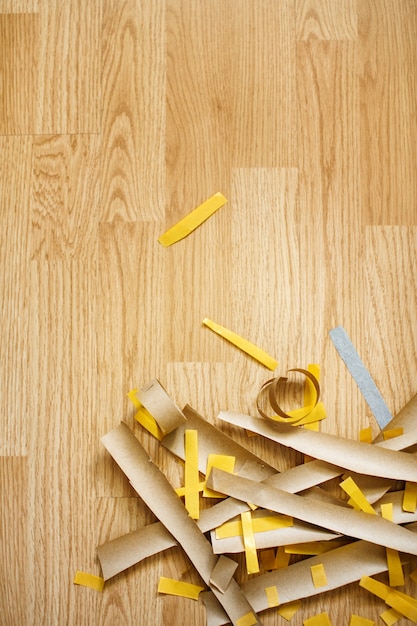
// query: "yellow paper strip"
[[252, 564], [406, 605], [356, 620], [282, 558], [224, 462], [390, 617], [365, 435], [272, 596], [393, 432], [191, 221], [259, 524], [247, 620], [191, 483], [267, 559], [357, 496], [180, 491], [318, 575], [179, 588], [289, 609], [243, 344], [319, 412], [144, 417], [410, 497], [89, 580], [395, 568], [318, 620]]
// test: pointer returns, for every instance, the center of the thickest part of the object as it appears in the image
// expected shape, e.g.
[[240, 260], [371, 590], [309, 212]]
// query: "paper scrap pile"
[[268, 514]]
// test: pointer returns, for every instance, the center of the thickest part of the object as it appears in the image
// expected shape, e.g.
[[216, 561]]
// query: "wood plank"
[[330, 219], [19, 6], [391, 311], [388, 55], [62, 446], [133, 83], [326, 20], [15, 167], [67, 92], [19, 49], [130, 330], [15, 600], [65, 197], [221, 94]]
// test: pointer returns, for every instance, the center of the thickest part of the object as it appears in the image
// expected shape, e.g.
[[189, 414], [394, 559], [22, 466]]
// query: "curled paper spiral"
[[296, 417]]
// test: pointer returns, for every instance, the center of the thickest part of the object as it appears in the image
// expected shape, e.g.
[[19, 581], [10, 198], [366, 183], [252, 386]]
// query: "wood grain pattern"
[[14, 292], [117, 118], [133, 83], [326, 19], [14, 540], [388, 58], [65, 197], [19, 48]]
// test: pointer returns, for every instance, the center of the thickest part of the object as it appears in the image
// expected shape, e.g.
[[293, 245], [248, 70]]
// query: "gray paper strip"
[[361, 376]]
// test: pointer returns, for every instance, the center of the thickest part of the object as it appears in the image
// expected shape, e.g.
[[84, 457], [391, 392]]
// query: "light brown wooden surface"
[[116, 119]]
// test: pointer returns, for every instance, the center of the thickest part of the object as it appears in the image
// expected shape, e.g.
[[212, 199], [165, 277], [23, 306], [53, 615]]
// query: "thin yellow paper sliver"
[[393, 432], [242, 344], [357, 496], [222, 461], [282, 558], [191, 221], [390, 617], [180, 491], [395, 568], [318, 620], [179, 588], [410, 497], [267, 559], [252, 564], [313, 547], [401, 602], [356, 620], [247, 620], [89, 580], [192, 483], [259, 524], [365, 435], [289, 609], [272, 596], [319, 411], [318, 576], [295, 417], [144, 417]]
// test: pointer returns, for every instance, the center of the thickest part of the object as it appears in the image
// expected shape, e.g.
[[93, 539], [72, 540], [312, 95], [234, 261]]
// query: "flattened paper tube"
[[352, 455], [343, 566], [158, 495], [339, 519]]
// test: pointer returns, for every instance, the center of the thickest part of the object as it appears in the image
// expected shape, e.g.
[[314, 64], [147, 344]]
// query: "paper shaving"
[[356, 620], [222, 573], [243, 344], [390, 617], [179, 588], [159, 496], [361, 376], [89, 580], [318, 519], [352, 455], [191, 221], [318, 620]]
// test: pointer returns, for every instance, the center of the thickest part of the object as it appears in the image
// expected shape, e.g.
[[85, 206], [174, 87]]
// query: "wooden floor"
[[117, 118]]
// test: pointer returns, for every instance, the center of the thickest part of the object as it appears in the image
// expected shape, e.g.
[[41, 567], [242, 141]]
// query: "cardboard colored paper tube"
[[337, 519], [158, 495], [343, 565], [352, 455]]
